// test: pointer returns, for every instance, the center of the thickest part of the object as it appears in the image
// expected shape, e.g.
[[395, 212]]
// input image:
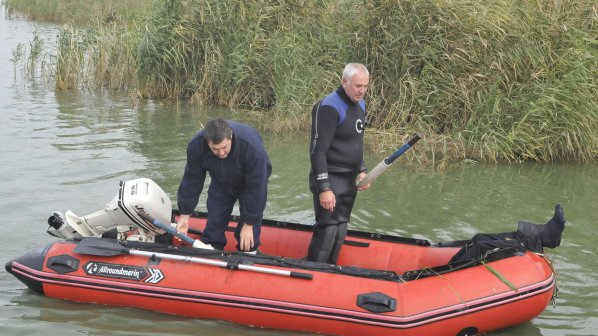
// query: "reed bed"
[[103, 57], [32, 62], [509, 81], [121, 12], [483, 80]]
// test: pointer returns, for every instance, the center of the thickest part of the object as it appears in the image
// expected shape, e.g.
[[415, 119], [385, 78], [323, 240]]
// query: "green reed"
[[508, 81], [484, 74], [102, 57], [123, 12], [483, 80], [32, 61]]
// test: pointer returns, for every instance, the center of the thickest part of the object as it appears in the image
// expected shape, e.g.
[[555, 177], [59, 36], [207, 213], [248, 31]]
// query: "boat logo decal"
[[155, 277], [115, 271]]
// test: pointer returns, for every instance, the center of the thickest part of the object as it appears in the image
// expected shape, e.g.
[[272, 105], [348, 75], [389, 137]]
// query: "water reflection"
[[70, 318], [527, 329], [95, 130]]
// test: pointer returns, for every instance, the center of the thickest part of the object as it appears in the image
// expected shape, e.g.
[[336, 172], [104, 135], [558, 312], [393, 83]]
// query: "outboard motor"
[[119, 214]]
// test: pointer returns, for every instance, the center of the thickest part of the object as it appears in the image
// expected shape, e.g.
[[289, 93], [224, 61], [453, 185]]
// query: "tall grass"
[[258, 54], [511, 81], [122, 12], [484, 80], [31, 61], [102, 57]]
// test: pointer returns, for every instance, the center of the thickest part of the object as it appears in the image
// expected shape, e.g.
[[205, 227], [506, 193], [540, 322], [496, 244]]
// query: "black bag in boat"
[[533, 237], [483, 243]]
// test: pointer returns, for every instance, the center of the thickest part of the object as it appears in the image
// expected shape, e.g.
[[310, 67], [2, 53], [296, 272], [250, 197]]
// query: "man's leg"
[[331, 227], [339, 239], [345, 199], [322, 242], [220, 206], [548, 234]]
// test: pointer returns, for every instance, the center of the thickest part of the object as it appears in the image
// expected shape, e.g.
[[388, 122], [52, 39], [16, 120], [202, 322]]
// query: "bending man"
[[234, 156]]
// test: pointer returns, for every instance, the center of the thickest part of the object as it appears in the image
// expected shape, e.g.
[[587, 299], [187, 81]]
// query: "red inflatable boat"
[[382, 284]]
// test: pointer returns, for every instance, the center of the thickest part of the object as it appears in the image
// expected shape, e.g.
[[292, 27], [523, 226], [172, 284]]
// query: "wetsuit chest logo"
[[359, 126]]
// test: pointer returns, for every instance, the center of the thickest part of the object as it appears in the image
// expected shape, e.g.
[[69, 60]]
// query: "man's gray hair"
[[352, 68]]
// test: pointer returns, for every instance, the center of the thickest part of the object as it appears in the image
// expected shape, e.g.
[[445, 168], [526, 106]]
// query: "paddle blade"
[[100, 247]]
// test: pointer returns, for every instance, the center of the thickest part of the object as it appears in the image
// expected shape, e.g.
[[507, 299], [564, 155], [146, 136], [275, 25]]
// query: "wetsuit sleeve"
[[253, 197], [363, 168], [324, 123], [193, 180]]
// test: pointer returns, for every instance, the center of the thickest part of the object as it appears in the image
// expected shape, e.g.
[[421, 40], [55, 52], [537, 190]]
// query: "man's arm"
[[254, 196], [324, 123], [257, 170], [193, 180]]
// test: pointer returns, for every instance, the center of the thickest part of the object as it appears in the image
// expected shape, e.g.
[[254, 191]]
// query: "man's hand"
[[182, 225], [360, 177], [328, 200], [246, 243]]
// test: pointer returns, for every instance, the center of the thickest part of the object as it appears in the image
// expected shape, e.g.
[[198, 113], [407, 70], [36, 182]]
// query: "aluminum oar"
[[384, 164], [111, 247]]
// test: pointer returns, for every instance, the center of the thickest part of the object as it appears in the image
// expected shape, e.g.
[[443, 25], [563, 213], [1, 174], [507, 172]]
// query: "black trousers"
[[330, 229], [220, 205]]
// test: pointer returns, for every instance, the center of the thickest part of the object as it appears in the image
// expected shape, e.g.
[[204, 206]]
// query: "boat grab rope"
[[502, 278], [555, 293]]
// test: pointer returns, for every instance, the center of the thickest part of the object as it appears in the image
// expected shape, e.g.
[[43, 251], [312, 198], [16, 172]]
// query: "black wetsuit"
[[242, 175], [336, 155]]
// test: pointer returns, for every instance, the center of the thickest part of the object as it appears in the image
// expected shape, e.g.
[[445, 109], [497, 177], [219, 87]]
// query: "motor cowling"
[[120, 214]]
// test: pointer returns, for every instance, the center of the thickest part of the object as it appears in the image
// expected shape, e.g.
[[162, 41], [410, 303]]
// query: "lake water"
[[69, 150]]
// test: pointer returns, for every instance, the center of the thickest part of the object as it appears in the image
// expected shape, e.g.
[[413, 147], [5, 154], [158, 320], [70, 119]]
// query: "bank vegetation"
[[497, 80]]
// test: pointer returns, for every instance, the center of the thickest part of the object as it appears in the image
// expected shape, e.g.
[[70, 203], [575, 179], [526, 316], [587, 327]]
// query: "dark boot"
[[322, 243], [341, 233], [550, 233]]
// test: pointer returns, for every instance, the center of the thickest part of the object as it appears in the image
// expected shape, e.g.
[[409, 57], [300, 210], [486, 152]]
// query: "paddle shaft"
[[167, 228], [204, 261], [223, 264], [109, 248], [384, 164]]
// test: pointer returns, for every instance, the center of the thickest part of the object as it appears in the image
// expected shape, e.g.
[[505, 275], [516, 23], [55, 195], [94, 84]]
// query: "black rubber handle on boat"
[[300, 275]]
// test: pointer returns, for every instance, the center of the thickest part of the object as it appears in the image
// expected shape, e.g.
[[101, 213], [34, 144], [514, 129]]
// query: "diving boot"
[[550, 233]]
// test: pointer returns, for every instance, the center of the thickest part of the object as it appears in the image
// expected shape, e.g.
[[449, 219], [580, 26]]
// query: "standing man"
[[234, 156], [336, 155]]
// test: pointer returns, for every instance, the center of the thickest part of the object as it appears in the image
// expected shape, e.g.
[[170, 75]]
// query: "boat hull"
[[462, 302]]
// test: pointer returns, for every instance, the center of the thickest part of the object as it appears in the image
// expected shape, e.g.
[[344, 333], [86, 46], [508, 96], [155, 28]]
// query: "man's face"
[[221, 149], [357, 86]]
